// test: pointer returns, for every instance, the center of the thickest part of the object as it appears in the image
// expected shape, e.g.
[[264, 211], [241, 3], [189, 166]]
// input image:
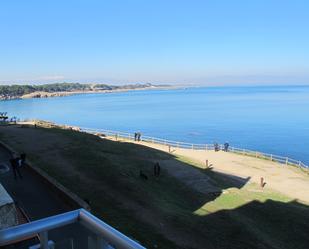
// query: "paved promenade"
[[33, 196], [30, 192]]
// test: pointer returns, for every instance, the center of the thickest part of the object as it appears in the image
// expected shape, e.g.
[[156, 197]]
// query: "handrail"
[[108, 234], [29, 229], [186, 145]]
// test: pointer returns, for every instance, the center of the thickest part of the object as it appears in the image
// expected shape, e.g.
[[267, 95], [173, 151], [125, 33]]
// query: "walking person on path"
[[157, 169], [22, 159], [16, 167]]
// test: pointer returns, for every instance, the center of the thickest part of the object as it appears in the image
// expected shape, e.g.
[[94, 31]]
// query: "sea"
[[271, 119]]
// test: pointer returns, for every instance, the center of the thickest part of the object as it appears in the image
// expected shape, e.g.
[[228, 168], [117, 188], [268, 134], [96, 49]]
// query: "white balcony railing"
[[102, 236]]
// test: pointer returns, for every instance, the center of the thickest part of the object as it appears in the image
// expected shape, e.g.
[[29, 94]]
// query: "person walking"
[[15, 164], [22, 159], [157, 169]]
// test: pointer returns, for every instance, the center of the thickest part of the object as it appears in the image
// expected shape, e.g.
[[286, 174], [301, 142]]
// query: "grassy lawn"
[[163, 212]]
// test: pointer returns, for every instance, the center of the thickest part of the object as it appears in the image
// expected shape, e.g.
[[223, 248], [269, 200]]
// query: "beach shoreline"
[[43, 94]]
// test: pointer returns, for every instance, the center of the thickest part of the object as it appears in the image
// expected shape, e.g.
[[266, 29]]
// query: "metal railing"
[[155, 140], [183, 145], [106, 237]]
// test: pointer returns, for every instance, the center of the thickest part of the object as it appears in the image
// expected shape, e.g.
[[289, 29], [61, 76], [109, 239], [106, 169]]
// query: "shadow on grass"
[[160, 212], [269, 224]]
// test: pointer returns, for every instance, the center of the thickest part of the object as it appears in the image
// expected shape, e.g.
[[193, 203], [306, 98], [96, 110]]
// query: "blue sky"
[[211, 42]]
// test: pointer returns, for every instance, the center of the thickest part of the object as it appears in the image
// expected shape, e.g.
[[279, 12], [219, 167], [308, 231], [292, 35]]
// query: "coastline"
[[42, 94]]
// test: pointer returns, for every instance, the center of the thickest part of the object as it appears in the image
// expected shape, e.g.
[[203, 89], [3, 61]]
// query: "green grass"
[[107, 174]]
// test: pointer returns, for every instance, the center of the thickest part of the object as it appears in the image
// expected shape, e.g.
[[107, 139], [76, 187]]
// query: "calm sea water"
[[268, 119]]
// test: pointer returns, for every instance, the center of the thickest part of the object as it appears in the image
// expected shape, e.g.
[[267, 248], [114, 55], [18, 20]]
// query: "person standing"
[[226, 146], [216, 147]]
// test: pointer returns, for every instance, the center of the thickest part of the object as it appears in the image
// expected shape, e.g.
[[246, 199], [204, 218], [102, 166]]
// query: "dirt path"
[[285, 179], [192, 177]]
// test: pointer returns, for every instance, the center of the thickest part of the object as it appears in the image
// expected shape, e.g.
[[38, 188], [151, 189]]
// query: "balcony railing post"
[[103, 232], [101, 243], [44, 240]]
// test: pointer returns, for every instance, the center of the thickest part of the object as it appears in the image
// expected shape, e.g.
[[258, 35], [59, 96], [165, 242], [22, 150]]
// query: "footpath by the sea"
[[286, 179]]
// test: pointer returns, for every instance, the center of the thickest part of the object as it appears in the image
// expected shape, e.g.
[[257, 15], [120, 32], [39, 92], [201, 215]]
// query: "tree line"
[[19, 90]]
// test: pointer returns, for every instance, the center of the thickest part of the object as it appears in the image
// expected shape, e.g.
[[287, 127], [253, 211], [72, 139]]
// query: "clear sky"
[[158, 41]]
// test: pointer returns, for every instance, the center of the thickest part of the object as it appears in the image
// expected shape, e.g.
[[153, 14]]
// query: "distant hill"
[[62, 89]]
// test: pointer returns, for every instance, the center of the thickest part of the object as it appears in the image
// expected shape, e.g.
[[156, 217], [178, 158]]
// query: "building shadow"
[[269, 224], [254, 225]]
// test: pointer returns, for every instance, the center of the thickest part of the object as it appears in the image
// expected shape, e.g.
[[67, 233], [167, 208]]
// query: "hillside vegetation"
[[16, 91], [162, 212]]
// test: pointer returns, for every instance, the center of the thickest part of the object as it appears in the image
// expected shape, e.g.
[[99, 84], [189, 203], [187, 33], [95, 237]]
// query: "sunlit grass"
[[233, 198]]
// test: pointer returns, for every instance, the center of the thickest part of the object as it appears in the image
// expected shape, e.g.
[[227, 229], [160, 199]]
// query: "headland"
[[66, 89]]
